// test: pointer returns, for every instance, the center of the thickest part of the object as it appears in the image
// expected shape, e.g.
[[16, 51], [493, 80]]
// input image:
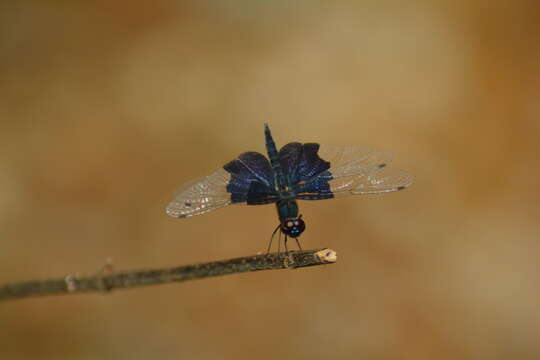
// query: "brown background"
[[106, 108]]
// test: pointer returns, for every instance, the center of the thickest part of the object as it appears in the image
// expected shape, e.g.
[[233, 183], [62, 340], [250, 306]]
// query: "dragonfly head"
[[293, 227]]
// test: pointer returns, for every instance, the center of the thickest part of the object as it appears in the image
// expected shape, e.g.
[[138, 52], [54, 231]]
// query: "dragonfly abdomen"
[[274, 158]]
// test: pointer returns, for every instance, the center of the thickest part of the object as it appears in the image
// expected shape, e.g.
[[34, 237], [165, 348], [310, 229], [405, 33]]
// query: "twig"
[[106, 280]]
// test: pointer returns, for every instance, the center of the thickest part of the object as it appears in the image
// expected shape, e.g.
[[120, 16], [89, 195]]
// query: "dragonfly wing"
[[251, 179], [245, 180], [379, 181], [301, 162], [353, 170], [201, 196], [352, 160]]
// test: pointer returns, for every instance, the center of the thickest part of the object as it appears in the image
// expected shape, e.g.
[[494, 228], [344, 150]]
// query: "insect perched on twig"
[[297, 172]]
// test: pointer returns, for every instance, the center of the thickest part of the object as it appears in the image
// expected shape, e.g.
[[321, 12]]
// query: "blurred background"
[[107, 107]]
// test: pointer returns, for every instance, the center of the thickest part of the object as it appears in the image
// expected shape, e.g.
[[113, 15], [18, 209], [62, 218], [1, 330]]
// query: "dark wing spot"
[[380, 166], [401, 188], [188, 204]]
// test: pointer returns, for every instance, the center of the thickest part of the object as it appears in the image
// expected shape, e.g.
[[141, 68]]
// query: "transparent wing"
[[352, 160], [201, 196], [382, 180]]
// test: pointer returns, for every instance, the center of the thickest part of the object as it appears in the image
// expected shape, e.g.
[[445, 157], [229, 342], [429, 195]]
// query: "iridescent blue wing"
[[248, 179], [352, 170], [252, 179], [301, 162]]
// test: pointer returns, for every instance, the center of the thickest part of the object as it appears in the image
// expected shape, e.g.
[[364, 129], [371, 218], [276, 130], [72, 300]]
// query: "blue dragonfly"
[[296, 172]]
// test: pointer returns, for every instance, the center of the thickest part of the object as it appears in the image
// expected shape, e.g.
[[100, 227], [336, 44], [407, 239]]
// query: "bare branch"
[[106, 280]]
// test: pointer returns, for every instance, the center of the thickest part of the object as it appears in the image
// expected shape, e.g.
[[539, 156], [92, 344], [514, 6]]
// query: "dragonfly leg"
[[279, 244], [285, 243], [272, 238], [298, 242]]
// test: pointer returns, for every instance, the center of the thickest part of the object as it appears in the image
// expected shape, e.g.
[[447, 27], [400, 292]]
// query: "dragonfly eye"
[[293, 228]]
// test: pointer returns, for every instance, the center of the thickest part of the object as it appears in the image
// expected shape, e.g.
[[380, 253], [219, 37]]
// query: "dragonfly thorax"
[[287, 208]]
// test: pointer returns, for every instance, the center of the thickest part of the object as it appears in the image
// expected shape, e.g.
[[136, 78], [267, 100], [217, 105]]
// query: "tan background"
[[105, 109]]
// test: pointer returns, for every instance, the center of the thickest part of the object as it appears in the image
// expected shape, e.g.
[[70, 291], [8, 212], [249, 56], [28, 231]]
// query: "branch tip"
[[327, 255]]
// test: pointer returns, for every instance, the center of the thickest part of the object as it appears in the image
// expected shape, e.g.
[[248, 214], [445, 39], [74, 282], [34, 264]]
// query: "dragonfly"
[[298, 171]]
